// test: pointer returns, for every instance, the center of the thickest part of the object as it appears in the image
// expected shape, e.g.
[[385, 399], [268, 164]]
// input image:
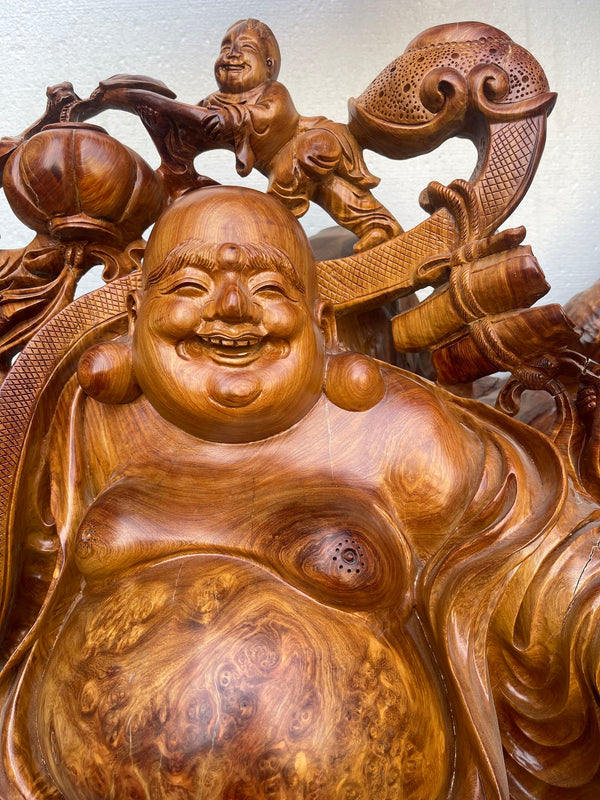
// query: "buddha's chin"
[[235, 405], [234, 390]]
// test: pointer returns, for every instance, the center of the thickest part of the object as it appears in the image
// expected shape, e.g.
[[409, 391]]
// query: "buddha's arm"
[[62, 472], [512, 598], [491, 491]]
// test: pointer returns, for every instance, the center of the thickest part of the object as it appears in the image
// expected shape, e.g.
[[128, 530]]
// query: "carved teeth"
[[223, 342]]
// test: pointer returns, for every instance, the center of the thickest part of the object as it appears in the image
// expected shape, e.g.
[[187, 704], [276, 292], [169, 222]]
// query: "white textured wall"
[[331, 50]]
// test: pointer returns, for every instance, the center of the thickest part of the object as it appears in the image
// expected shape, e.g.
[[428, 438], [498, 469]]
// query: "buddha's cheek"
[[284, 320], [168, 318], [158, 367]]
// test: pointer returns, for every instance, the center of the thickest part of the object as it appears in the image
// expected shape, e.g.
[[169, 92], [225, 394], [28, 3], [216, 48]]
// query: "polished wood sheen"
[[244, 555]]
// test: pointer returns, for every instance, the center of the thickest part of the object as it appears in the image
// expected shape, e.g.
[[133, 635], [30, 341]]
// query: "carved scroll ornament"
[[241, 561]]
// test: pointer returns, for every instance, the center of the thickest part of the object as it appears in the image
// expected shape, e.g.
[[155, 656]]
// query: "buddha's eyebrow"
[[201, 255]]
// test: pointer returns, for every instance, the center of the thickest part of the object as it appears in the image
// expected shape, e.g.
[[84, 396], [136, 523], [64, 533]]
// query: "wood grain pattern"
[[241, 561]]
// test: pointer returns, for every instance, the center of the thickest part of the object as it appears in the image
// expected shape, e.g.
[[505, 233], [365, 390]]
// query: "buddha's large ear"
[[134, 299], [325, 318]]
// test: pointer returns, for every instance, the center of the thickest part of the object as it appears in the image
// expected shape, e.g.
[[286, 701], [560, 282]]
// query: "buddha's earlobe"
[[105, 371], [353, 381]]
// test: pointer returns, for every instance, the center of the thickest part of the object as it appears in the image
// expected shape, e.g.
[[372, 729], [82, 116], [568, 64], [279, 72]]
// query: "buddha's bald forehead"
[[208, 219]]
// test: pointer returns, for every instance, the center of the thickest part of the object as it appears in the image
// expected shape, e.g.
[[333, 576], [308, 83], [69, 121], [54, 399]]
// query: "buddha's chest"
[[338, 542]]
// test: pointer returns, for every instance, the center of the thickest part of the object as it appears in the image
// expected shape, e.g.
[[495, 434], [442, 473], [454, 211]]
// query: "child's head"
[[249, 56]]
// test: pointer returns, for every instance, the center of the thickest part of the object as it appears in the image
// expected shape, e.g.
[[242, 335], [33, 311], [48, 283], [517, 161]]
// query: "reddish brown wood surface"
[[240, 559]]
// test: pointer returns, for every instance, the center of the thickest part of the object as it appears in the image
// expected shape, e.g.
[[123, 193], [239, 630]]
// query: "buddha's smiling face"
[[226, 343]]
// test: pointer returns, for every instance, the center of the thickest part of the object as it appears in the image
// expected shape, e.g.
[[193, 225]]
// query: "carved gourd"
[[75, 182]]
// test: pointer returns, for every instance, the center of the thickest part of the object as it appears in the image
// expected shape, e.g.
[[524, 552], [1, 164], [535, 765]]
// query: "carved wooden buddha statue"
[[241, 561], [279, 563]]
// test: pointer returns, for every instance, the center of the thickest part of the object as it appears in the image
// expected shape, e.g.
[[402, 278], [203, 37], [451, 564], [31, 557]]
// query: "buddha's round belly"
[[206, 676]]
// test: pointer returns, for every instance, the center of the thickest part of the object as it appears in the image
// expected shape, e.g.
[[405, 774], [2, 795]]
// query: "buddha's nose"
[[233, 303]]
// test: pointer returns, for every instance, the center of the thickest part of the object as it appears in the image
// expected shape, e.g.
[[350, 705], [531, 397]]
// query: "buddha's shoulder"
[[422, 421], [417, 400], [450, 428], [411, 403]]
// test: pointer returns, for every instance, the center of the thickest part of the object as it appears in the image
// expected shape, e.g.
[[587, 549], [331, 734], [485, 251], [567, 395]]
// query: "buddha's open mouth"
[[225, 349]]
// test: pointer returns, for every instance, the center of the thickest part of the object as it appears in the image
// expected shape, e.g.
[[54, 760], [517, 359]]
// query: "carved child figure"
[[305, 158]]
